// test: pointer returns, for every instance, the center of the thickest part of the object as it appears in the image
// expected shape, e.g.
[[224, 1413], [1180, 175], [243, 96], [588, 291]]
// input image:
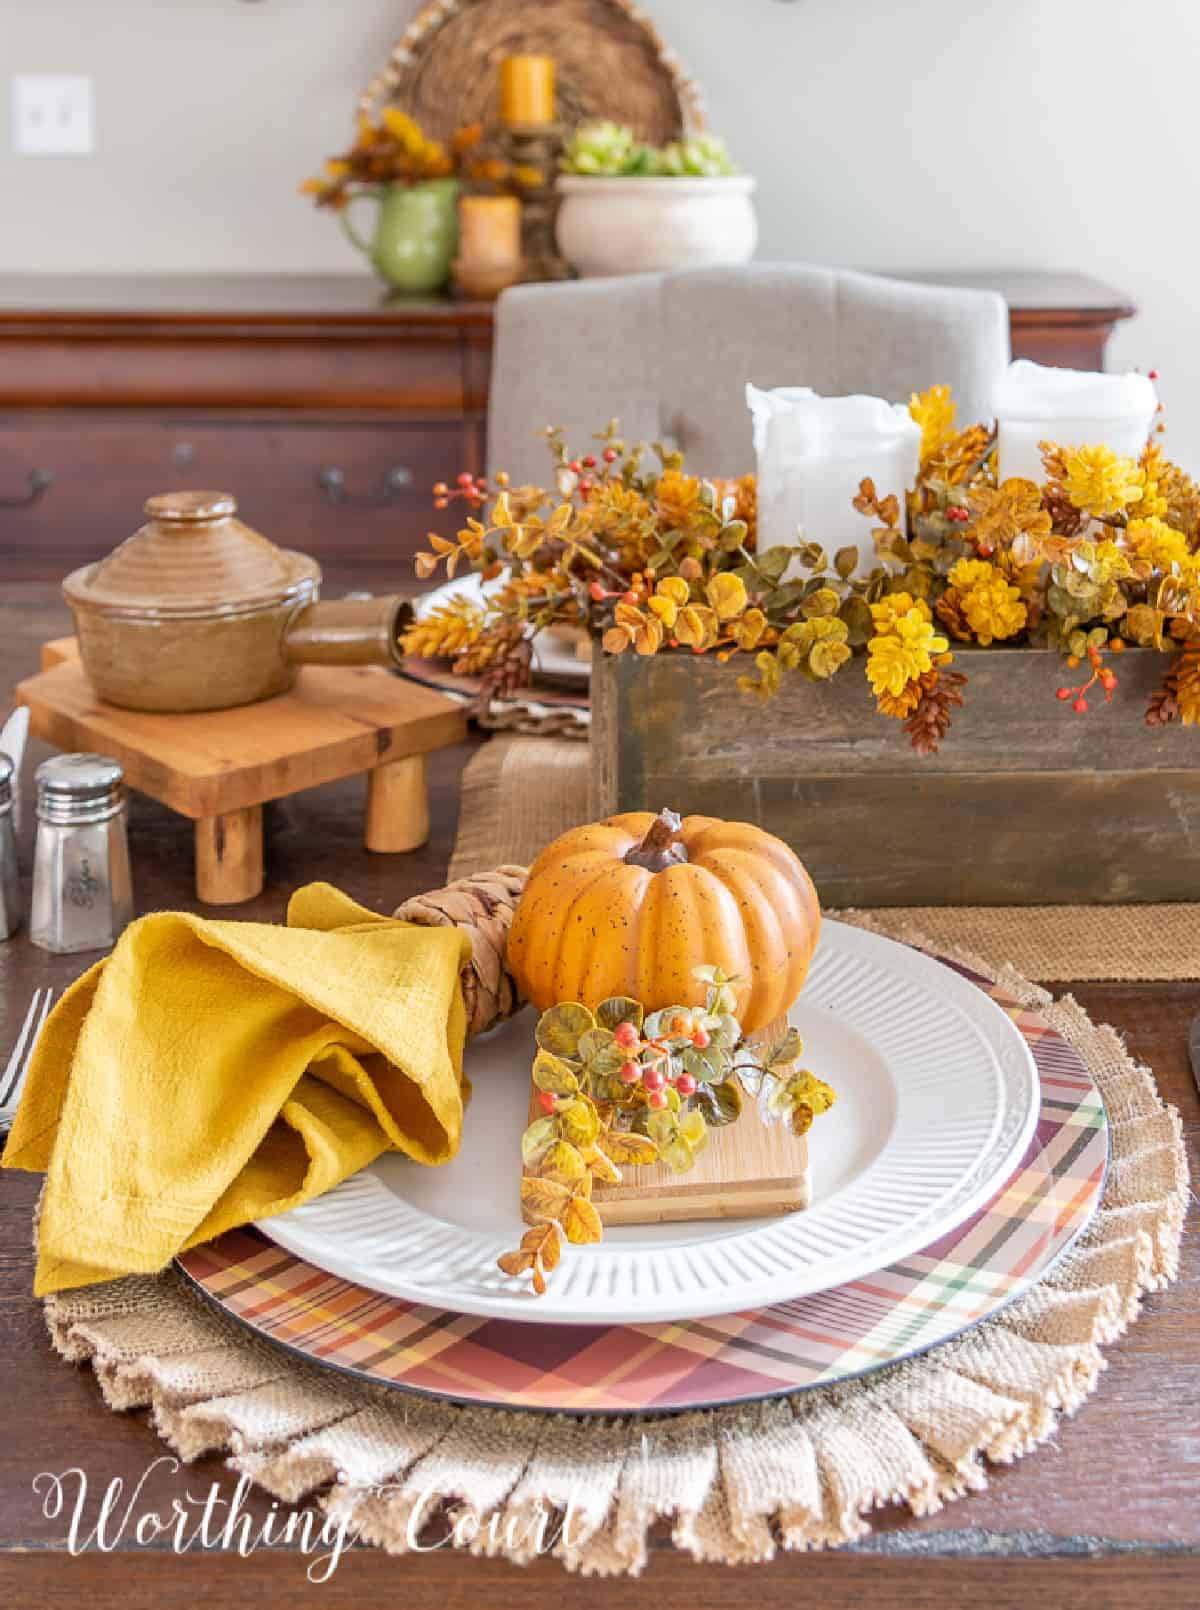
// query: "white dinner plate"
[[554, 658], [937, 1101]]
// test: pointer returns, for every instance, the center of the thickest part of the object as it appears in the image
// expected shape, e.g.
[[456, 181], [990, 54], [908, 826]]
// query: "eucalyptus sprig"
[[619, 1088]]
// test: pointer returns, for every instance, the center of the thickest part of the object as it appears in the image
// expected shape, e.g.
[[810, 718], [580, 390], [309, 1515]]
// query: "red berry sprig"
[[648, 1061], [1101, 674], [472, 489]]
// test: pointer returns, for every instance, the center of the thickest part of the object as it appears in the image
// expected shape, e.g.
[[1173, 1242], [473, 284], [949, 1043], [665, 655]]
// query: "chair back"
[[670, 355]]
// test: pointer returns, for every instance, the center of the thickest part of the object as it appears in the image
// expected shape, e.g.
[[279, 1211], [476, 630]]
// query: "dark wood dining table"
[[1108, 1513]]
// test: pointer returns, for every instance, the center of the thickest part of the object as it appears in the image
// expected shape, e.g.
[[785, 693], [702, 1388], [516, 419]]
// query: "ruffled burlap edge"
[[734, 1485]]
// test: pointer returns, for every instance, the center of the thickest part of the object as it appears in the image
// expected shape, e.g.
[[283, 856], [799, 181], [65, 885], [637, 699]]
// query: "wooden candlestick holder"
[[537, 146]]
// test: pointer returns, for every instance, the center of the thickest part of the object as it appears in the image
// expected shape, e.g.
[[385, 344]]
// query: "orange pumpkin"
[[631, 905]]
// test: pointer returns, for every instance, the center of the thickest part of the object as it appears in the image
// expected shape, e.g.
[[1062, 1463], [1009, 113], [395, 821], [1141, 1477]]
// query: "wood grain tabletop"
[[1108, 1513]]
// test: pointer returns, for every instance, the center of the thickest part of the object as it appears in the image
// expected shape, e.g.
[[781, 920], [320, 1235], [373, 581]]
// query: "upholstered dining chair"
[[670, 354]]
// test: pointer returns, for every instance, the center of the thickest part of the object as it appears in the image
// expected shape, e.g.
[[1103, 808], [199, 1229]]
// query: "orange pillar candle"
[[527, 90], [489, 231]]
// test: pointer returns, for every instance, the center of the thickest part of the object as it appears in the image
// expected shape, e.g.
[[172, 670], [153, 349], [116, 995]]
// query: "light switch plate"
[[52, 114]]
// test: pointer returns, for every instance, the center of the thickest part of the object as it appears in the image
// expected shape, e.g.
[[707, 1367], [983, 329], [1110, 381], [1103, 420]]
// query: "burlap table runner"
[[734, 1484], [520, 792]]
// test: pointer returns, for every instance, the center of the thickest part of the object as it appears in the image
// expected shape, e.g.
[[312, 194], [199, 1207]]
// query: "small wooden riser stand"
[[398, 806], [229, 856], [748, 1170], [219, 767]]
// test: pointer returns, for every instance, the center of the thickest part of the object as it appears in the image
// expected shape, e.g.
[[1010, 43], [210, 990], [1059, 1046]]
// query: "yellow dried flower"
[[903, 653], [678, 498], [933, 410], [989, 604], [1099, 482], [1154, 468], [969, 573], [994, 610], [894, 607], [619, 513], [1159, 544]]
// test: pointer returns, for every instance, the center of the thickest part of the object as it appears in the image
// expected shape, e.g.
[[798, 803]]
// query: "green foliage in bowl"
[[609, 151]]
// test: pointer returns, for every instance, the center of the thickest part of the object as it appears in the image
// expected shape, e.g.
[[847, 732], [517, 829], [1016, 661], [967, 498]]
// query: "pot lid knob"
[[175, 507]]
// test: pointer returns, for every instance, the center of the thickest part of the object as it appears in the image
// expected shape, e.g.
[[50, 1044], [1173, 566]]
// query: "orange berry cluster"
[[649, 1061], [1100, 674], [472, 489]]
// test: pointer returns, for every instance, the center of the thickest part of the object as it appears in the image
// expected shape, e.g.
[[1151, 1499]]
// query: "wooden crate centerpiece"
[[1025, 804]]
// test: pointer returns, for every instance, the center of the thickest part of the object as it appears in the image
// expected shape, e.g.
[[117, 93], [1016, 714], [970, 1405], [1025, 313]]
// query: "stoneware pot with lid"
[[196, 611]]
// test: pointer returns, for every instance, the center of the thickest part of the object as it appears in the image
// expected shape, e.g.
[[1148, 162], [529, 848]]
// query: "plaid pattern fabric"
[[613, 1369]]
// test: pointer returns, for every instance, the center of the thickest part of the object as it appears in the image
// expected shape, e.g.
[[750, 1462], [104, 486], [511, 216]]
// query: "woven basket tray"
[[610, 63]]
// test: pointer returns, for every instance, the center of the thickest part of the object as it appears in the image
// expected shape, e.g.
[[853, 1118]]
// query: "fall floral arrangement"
[[395, 150], [648, 558], [620, 1088], [603, 150]]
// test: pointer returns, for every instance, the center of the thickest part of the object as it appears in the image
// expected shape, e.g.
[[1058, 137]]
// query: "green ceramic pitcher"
[[416, 233]]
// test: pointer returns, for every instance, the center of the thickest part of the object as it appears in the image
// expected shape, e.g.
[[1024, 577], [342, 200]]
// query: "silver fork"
[[12, 1081]]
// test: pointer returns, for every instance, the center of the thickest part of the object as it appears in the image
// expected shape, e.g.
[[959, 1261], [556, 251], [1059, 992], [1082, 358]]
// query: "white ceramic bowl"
[[638, 226]]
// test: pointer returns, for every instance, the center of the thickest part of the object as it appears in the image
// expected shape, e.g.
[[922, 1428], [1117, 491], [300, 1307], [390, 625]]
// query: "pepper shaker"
[[82, 890], [10, 894]]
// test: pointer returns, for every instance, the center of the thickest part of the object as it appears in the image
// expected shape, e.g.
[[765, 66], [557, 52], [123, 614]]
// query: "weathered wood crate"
[[1027, 803]]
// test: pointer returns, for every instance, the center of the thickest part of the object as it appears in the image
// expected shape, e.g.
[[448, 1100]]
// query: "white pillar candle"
[[1073, 407], [812, 454]]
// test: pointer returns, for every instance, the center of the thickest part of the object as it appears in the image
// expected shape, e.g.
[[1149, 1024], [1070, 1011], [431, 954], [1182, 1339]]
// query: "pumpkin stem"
[[660, 848]]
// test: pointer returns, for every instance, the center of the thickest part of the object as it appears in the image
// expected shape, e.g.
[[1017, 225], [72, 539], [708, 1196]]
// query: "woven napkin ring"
[[482, 906]]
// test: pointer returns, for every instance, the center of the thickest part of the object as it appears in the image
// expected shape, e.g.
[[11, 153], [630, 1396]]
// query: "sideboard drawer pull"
[[332, 482], [39, 480]]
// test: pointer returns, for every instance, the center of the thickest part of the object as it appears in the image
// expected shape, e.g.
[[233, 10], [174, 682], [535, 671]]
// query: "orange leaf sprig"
[[650, 559], [394, 149]]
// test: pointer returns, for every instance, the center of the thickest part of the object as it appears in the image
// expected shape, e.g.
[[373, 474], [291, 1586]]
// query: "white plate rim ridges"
[[942, 1036]]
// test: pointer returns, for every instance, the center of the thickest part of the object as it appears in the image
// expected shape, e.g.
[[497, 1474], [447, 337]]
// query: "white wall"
[[885, 133]]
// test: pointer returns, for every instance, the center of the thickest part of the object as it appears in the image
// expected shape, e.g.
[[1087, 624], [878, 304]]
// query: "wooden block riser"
[[748, 1170]]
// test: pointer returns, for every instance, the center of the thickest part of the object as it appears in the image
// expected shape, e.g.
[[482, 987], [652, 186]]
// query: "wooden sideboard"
[[328, 408], [1059, 319]]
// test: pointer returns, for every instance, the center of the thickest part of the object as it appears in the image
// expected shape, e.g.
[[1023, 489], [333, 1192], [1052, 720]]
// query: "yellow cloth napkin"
[[210, 1073]]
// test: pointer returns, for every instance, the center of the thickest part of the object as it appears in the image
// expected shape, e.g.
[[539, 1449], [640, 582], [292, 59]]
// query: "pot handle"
[[348, 631], [348, 228]]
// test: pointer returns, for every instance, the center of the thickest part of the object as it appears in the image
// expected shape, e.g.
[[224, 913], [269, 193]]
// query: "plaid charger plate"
[[831, 1336]]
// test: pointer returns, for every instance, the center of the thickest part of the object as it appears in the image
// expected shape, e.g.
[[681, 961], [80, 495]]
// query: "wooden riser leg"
[[229, 857], [398, 806]]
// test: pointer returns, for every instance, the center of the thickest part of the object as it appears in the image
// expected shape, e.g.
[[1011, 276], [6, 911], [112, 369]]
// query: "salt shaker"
[[10, 894], [82, 891]]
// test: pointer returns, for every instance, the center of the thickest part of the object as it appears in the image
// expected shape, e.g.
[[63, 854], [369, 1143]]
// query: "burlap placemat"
[[520, 792], [733, 1485]]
